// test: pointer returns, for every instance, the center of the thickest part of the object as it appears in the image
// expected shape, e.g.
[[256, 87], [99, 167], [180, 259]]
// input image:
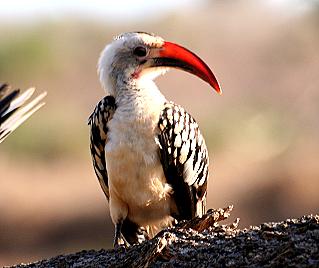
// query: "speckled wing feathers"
[[184, 157], [103, 113]]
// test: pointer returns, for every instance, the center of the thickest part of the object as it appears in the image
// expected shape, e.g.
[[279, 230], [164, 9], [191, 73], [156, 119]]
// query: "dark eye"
[[140, 51]]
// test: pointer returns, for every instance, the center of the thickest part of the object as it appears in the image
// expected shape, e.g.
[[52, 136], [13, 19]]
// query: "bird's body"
[[148, 153], [136, 178]]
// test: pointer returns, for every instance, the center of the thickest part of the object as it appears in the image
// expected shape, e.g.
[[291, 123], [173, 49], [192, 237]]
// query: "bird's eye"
[[140, 51]]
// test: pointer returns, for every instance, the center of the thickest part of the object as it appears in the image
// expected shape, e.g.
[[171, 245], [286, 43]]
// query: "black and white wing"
[[98, 120], [184, 157], [14, 109]]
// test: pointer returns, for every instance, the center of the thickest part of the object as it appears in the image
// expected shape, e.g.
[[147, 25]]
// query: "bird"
[[148, 153], [14, 109]]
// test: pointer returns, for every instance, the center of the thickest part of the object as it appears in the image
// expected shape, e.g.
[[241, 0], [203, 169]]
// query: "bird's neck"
[[138, 97], [143, 91]]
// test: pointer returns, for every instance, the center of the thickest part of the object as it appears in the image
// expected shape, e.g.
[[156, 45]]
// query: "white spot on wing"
[[184, 135], [189, 173], [184, 152], [178, 141]]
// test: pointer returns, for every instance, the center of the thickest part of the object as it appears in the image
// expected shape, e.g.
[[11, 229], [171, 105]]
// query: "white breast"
[[138, 187]]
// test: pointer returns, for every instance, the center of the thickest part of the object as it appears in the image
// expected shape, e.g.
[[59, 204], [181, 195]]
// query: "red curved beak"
[[173, 55]]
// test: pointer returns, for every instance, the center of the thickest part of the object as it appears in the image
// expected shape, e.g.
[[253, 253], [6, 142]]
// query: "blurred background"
[[262, 133]]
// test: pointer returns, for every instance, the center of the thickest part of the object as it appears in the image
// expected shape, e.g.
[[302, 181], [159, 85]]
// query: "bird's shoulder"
[[103, 111], [180, 134]]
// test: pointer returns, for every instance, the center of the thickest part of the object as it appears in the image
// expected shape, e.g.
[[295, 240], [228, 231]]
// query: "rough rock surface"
[[203, 242]]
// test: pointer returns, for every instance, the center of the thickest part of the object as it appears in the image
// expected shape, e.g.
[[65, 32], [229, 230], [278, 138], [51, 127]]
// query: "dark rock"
[[203, 242]]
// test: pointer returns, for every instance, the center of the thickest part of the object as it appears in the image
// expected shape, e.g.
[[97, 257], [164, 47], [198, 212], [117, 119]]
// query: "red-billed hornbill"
[[148, 153], [14, 109]]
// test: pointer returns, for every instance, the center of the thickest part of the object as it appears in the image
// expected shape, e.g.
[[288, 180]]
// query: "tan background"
[[262, 133]]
